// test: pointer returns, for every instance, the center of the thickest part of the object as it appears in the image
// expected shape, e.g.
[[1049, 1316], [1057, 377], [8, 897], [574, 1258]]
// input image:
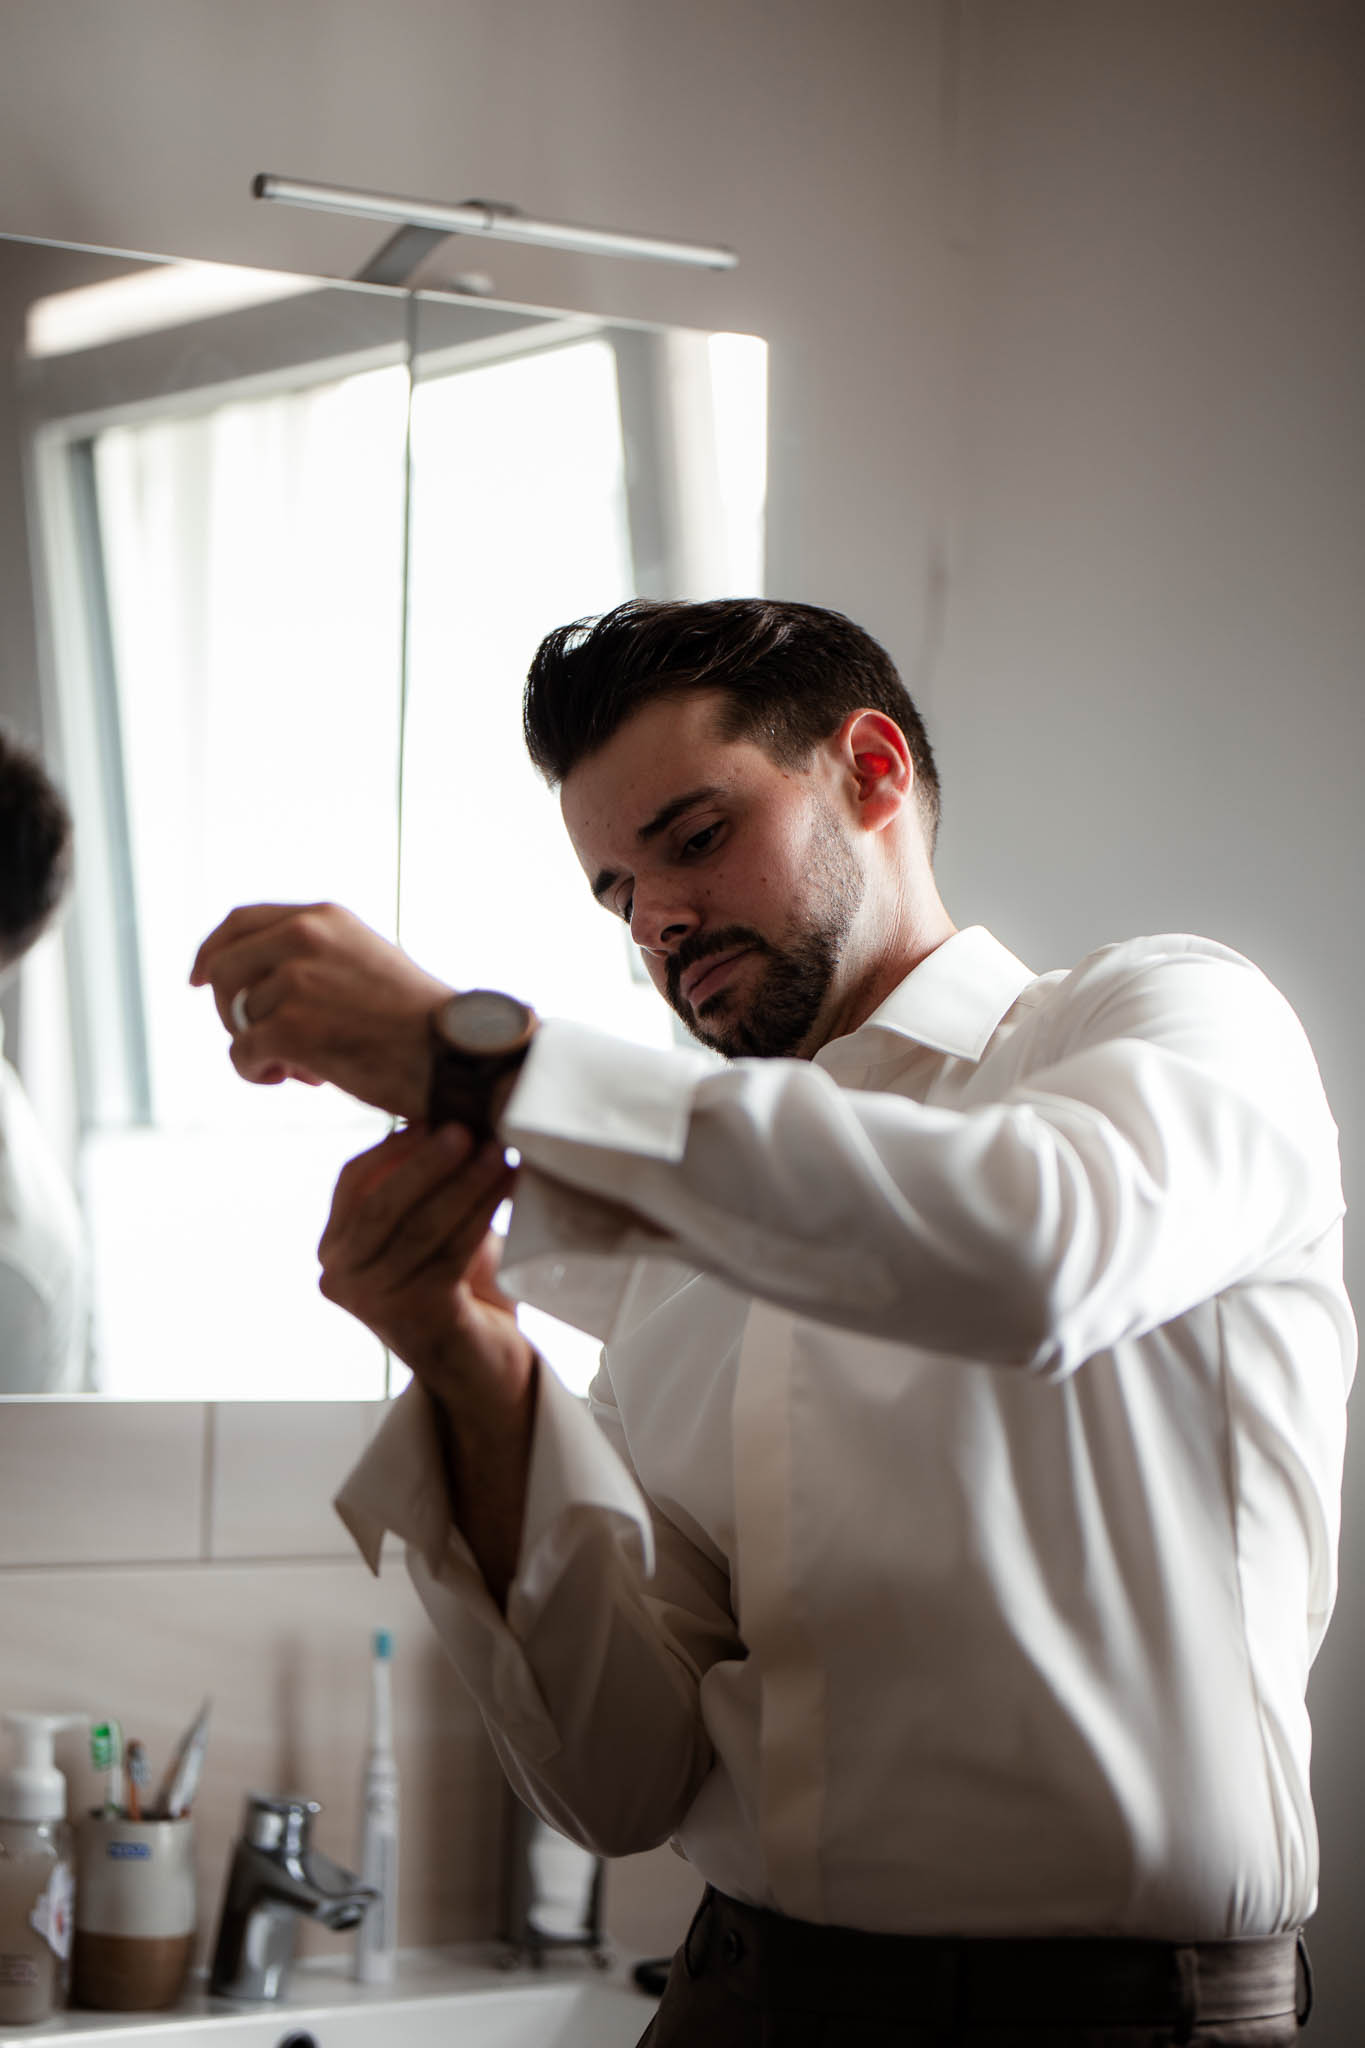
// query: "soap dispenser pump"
[[37, 1881]]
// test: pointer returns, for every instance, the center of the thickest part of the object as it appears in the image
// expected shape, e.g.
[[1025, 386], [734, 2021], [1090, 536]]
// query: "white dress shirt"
[[44, 1274], [955, 1520]]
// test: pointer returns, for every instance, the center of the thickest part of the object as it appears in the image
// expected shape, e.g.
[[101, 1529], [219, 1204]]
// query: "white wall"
[[805, 135], [1150, 711], [1065, 299]]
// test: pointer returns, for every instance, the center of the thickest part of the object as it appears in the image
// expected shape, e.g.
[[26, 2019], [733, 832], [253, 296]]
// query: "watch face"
[[484, 1021]]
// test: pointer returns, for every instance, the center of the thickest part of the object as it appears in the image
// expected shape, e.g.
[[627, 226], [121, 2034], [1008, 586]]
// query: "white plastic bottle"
[[37, 1874], [376, 1941]]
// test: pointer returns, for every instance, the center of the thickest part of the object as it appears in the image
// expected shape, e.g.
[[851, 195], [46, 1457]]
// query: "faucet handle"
[[280, 1826]]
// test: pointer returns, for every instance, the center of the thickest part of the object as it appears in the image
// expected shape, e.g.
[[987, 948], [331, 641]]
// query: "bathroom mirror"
[[276, 552]]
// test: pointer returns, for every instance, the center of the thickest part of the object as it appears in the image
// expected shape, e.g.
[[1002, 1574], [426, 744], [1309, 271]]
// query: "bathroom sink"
[[447, 1998]]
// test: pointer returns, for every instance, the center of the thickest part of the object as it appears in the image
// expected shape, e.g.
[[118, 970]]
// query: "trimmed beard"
[[796, 977]]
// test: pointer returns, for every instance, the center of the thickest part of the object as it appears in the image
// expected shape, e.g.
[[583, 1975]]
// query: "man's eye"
[[700, 841], [628, 909]]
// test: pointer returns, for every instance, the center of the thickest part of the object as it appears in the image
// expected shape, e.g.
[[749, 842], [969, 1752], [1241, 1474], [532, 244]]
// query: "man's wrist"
[[480, 1406], [412, 1081], [485, 1457]]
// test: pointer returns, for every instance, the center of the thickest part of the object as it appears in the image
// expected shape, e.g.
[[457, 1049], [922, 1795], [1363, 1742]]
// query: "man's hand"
[[312, 994], [407, 1249]]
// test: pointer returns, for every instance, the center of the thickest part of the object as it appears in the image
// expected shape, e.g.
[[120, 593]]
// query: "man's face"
[[737, 877]]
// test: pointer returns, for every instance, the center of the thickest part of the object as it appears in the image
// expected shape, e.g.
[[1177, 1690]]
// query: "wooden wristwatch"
[[477, 1038]]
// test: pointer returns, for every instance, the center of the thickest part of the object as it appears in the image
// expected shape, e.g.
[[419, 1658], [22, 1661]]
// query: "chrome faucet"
[[275, 1876]]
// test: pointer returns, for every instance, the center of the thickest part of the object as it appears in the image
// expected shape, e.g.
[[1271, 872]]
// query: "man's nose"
[[659, 922]]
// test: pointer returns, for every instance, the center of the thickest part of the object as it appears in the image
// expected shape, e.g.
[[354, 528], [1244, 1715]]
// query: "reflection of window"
[[248, 557], [568, 518], [489, 899], [252, 556], [563, 512], [230, 676]]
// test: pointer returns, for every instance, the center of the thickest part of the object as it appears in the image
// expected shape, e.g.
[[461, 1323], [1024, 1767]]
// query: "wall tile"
[[279, 1643], [98, 1482], [283, 1652], [275, 1466]]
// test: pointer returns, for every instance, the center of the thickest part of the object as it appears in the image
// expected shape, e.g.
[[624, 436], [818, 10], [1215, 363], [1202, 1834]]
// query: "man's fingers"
[[366, 1172], [486, 1263], [254, 967], [262, 990], [414, 1208], [371, 1169], [404, 1239], [443, 1236], [239, 924], [378, 1193], [263, 1065]]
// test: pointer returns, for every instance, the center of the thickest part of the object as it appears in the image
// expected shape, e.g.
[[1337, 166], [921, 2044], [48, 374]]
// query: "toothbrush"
[[106, 1754], [377, 1938], [181, 1781], [139, 1778]]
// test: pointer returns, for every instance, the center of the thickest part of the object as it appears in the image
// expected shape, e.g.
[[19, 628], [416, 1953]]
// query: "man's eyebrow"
[[660, 822]]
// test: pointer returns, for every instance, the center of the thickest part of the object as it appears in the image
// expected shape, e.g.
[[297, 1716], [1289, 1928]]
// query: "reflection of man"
[[943, 1561], [42, 1246]]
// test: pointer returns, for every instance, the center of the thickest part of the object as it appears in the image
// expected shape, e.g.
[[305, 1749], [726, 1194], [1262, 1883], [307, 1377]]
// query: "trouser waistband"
[[774, 1961]]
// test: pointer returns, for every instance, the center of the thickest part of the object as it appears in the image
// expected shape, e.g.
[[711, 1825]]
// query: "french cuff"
[[572, 1254], [399, 1483], [573, 1469], [481, 1646], [584, 1086]]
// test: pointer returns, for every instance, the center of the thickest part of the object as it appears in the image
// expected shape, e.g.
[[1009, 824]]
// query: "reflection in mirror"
[[558, 467], [207, 470], [213, 472]]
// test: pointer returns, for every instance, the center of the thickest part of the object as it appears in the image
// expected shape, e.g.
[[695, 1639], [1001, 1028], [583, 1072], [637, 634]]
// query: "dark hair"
[[792, 673], [35, 849]]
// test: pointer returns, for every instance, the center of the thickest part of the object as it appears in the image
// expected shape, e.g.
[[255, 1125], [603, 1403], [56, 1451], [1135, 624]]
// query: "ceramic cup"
[[135, 1912]]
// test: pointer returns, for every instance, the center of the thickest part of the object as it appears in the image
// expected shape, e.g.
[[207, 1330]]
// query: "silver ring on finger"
[[237, 1011]]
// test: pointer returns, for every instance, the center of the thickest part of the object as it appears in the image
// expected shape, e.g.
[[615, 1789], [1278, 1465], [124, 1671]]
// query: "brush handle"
[[139, 1777], [106, 1754], [182, 1780]]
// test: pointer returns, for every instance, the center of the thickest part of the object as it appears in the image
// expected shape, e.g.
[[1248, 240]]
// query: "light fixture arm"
[[422, 223]]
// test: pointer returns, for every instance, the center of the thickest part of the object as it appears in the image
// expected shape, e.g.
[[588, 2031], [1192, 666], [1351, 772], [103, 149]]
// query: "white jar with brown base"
[[135, 1912]]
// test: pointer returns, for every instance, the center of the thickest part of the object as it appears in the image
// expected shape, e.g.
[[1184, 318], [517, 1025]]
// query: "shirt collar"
[[954, 999]]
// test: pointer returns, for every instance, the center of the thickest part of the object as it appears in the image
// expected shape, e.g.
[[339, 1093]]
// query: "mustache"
[[728, 940]]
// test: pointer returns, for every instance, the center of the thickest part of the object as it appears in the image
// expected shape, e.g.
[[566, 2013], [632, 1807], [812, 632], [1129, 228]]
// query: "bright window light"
[[492, 894], [252, 556], [739, 400], [148, 300]]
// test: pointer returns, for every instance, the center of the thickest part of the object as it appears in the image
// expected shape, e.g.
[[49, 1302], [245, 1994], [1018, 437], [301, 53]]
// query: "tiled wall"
[[154, 1554]]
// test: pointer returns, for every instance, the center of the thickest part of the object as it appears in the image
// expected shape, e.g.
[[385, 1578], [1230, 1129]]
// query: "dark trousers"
[[749, 1979]]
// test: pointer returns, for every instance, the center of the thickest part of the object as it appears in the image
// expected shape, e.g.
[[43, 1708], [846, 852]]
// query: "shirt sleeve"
[[40, 1354], [1162, 1136], [589, 1687]]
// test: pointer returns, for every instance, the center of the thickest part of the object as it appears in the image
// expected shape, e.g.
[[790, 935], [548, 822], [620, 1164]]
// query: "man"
[[43, 1276], [943, 1559]]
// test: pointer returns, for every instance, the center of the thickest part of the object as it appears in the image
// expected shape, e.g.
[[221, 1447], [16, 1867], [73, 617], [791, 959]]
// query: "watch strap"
[[462, 1085]]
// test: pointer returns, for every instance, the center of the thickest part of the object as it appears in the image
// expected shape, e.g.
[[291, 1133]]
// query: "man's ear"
[[874, 753]]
